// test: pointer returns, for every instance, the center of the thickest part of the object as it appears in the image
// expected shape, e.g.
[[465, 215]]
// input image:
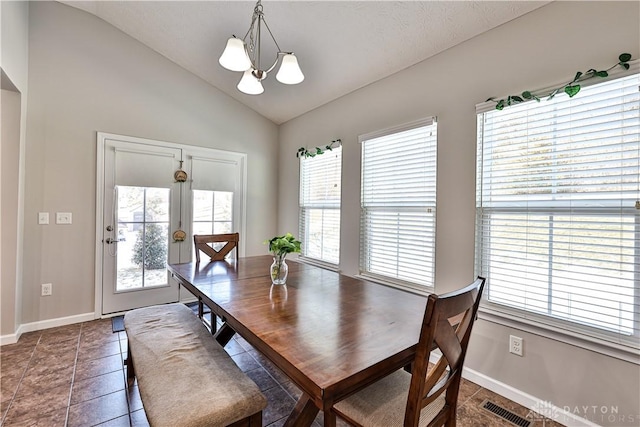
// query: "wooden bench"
[[185, 378]]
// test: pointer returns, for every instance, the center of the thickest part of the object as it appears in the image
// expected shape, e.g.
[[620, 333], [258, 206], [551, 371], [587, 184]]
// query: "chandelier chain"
[[255, 33]]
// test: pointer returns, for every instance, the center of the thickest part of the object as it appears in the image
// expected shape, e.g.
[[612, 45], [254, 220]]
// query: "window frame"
[[212, 219], [416, 209], [323, 205], [570, 331], [198, 159]]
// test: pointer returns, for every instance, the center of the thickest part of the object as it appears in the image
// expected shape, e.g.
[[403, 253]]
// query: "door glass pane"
[[143, 237], [157, 204], [221, 227], [155, 254], [223, 202], [212, 213], [202, 206], [202, 228]]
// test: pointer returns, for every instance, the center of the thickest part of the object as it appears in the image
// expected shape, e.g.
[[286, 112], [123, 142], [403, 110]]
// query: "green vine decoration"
[[303, 152], [571, 88]]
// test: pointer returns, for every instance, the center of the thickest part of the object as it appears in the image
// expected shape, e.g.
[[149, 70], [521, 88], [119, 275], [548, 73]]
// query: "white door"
[[216, 201], [141, 211]]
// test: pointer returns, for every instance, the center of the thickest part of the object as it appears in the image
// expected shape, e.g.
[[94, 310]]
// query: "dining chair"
[[225, 244], [217, 246], [426, 396]]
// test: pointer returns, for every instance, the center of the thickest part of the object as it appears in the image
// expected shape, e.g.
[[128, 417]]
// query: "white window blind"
[[558, 226], [398, 204], [320, 184]]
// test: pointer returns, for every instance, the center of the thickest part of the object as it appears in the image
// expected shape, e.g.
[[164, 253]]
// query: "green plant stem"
[[571, 88], [303, 152]]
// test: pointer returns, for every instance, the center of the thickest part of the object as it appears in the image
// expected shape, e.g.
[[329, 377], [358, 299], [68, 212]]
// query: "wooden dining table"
[[331, 334]]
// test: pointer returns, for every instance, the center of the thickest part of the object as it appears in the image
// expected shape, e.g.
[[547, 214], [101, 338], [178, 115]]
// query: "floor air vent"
[[505, 414]]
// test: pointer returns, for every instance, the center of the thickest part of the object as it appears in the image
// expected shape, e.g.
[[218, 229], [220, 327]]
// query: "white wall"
[[537, 50], [14, 23], [86, 76]]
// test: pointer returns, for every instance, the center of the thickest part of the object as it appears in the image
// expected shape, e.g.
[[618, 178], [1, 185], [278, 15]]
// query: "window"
[[143, 235], [212, 212], [216, 186], [320, 178], [398, 204], [558, 184]]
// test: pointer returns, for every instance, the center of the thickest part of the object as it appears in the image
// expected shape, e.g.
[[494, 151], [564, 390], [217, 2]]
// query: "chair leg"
[[129, 362], [214, 324], [256, 420], [200, 308], [329, 418], [451, 418], [224, 335]]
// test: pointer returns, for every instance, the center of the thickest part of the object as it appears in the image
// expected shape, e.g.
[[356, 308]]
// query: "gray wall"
[[14, 23], [86, 76], [542, 48], [9, 176]]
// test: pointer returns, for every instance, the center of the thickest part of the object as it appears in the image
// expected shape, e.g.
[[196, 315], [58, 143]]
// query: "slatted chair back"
[[202, 242], [447, 325]]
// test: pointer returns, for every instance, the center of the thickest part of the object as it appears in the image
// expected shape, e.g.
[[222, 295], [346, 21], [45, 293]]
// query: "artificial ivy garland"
[[571, 88], [303, 152]]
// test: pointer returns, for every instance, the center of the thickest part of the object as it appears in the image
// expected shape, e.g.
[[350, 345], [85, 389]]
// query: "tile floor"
[[74, 376]]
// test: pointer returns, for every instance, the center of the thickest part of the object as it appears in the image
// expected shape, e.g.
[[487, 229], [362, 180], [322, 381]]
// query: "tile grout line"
[[127, 390], [4, 416], [460, 405], [73, 375], [273, 378]]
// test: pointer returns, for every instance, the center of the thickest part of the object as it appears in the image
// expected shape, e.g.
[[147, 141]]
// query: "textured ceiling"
[[341, 45]]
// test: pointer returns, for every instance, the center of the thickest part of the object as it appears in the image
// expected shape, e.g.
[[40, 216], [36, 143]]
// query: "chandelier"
[[244, 55]]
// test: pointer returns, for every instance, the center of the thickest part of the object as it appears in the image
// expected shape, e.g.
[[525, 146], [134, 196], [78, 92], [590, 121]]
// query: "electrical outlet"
[[63, 217], [515, 345], [47, 289]]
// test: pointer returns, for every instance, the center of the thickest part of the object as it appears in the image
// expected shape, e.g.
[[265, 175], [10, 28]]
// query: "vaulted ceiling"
[[341, 45]]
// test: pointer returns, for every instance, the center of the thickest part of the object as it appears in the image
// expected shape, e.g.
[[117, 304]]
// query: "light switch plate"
[[43, 218], [63, 217]]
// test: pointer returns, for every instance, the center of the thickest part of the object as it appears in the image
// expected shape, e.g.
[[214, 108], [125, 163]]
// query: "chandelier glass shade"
[[244, 55]]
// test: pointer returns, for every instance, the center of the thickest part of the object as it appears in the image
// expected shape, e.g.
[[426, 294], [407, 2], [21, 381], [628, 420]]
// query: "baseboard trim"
[[547, 409], [539, 406], [61, 321], [45, 324], [9, 339]]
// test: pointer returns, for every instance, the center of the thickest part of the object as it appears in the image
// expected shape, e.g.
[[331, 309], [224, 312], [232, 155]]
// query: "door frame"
[[186, 248]]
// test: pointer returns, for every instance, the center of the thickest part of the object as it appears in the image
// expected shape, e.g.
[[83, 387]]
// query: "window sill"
[[610, 349], [403, 286], [318, 263]]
